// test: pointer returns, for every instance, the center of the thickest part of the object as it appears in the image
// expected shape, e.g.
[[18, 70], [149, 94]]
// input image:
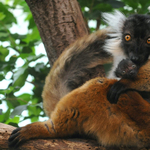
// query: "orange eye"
[[127, 37], [148, 41]]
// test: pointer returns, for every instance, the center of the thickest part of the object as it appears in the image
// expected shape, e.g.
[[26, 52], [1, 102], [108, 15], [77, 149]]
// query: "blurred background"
[[23, 61]]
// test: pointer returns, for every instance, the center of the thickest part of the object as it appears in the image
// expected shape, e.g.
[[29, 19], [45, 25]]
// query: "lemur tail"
[[77, 64]]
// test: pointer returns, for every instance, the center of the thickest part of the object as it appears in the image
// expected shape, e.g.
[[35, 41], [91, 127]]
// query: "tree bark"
[[52, 144], [60, 22], [43, 144]]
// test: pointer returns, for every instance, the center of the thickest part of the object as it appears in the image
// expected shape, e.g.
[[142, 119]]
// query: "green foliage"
[[19, 48], [92, 9], [19, 63]]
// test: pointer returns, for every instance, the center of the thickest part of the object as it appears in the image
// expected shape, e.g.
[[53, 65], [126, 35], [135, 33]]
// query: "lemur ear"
[[114, 20]]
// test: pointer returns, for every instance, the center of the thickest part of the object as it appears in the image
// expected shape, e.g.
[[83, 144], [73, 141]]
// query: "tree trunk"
[[60, 22]]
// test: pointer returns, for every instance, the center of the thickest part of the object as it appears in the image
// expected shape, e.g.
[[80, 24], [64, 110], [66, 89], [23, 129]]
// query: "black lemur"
[[126, 69], [124, 38]]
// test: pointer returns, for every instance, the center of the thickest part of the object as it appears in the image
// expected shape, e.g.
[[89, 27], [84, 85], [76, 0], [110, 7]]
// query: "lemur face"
[[126, 69], [136, 38], [130, 35]]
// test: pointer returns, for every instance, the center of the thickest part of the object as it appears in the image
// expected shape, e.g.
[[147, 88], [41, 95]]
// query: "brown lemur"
[[74, 108], [86, 111]]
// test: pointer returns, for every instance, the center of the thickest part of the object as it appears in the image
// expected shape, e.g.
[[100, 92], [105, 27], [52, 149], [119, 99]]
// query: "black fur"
[[137, 49], [115, 92], [126, 69], [130, 72], [14, 140]]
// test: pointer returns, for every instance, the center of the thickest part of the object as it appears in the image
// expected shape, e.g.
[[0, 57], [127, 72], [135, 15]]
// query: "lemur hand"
[[115, 91]]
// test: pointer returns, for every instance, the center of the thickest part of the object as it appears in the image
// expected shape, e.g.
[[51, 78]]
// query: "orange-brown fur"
[[87, 111]]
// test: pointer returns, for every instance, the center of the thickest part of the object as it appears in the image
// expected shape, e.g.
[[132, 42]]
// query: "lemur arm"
[[140, 83]]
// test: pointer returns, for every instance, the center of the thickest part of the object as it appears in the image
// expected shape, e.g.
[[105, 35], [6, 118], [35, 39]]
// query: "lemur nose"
[[134, 58]]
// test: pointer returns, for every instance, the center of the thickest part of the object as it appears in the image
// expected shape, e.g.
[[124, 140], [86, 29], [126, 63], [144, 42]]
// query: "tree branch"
[[44, 144], [53, 144]]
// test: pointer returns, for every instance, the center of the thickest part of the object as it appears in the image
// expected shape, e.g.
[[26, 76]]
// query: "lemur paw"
[[15, 138], [115, 91]]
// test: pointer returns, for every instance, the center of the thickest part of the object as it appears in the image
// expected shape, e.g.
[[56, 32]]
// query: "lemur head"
[[130, 35], [126, 69]]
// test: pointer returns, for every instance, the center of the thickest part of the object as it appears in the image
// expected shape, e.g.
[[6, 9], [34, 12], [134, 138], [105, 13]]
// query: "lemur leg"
[[61, 125]]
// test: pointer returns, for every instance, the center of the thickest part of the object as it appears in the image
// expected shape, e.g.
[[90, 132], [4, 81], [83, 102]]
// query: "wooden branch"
[[50, 144], [60, 22], [5, 131], [53, 144]]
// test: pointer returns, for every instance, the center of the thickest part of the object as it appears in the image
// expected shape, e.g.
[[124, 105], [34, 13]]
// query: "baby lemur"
[[127, 69], [86, 111]]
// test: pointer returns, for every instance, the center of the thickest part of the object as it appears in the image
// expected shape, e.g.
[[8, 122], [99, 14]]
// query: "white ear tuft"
[[115, 21]]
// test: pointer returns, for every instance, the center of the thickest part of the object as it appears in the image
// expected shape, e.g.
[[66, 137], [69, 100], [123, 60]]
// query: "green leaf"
[[13, 121], [39, 67], [2, 16], [33, 57], [0, 111], [33, 36], [9, 17], [31, 23], [18, 36], [27, 49], [116, 4], [4, 34], [25, 98], [3, 53], [20, 75], [103, 7], [1, 77], [18, 110], [7, 91], [5, 116]]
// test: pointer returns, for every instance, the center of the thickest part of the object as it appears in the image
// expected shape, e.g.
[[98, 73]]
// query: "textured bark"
[[52, 144], [60, 22]]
